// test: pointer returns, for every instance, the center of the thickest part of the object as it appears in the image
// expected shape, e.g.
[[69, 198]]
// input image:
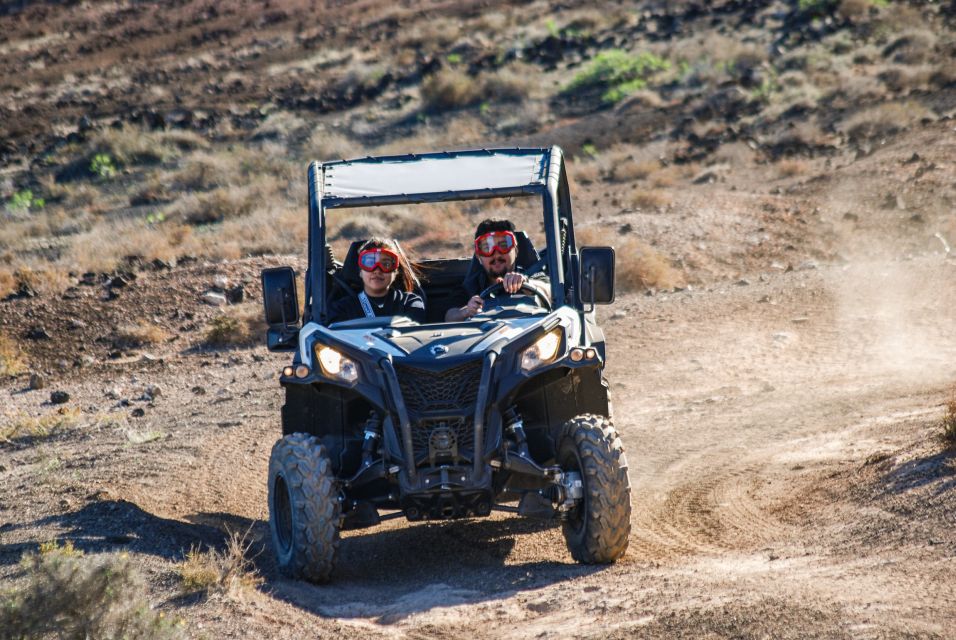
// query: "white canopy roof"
[[411, 176]]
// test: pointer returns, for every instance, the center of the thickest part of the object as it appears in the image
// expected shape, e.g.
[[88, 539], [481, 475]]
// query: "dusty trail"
[[749, 413], [732, 411]]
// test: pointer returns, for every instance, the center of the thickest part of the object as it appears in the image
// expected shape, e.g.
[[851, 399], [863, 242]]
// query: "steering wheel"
[[499, 288]]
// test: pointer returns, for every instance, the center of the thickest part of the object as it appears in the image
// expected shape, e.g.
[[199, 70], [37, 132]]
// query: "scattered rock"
[[258, 358], [743, 282], [119, 281], [148, 357], [807, 265], [617, 315], [59, 397], [38, 333], [113, 393], [63, 365], [71, 293], [199, 391], [37, 381], [236, 294], [214, 299], [220, 283], [913, 158], [764, 298], [138, 412], [152, 392], [76, 323], [23, 291], [799, 320]]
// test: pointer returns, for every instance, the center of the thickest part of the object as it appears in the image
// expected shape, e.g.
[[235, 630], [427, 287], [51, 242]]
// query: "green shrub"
[[102, 165], [70, 596], [24, 201], [617, 74]]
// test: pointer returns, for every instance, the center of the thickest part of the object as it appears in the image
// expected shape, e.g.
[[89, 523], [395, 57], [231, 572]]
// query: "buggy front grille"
[[452, 390]]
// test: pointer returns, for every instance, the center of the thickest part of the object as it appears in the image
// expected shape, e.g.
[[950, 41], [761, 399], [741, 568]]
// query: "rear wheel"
[[597, 529], [304, 508]]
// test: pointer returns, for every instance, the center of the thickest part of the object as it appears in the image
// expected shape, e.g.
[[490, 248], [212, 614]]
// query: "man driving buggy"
[[496, 249]]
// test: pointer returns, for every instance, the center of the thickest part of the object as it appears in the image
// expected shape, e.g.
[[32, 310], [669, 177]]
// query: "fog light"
[[302, 371], [577, 354], [590, 354], [288, 372]]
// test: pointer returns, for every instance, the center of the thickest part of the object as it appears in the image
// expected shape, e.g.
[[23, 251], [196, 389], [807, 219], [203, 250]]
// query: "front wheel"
[[304, 508], [597, 528]]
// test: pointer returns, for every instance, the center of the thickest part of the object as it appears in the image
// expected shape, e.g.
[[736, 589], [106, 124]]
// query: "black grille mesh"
[[463, 428], [452, 390]]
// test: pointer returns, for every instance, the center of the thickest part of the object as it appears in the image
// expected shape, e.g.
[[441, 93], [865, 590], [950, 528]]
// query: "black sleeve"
[[414, 307], [343, 309]]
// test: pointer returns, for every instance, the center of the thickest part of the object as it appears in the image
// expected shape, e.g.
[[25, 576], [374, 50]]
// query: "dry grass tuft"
[[11, 359], [949, 420], [649, 198], [884, 120], [68, 595], [585, 173], [631, 170], [792, 167], [139, 334], [227, 572], [506, 85], [239, 326], [638, 265], [130, 145], [327, 145], [26, 427], [450, 89]]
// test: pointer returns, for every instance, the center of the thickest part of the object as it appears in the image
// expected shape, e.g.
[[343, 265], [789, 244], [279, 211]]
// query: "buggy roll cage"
[[440, 177]]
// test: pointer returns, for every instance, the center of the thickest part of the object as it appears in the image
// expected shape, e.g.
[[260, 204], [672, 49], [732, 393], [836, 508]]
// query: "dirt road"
[[779, 433]]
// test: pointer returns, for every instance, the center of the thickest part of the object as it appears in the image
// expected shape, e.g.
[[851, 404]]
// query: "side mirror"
[[282, 308], [597, 275]]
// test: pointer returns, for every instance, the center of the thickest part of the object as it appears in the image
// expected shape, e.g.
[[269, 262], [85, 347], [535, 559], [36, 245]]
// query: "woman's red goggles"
[[501, 241], [378, 258]]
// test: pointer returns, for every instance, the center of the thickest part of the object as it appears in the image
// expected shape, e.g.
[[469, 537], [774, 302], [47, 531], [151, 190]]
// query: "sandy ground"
[[787, 481]]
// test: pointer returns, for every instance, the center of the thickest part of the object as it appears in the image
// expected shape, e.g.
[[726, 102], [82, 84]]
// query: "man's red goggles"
[[501, 241], [378, 258]]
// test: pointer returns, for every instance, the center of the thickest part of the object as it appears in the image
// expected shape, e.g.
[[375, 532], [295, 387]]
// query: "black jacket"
[[393, 303]]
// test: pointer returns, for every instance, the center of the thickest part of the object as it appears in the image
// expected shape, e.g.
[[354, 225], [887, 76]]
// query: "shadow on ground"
[[390, 574], [112, 525], [923, 471]]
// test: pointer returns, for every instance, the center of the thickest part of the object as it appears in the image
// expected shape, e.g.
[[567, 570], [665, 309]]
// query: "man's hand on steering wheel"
[[525, 286], [512, 282]]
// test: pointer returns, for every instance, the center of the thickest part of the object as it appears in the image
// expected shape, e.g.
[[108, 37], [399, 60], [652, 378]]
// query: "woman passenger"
[[388, 283]]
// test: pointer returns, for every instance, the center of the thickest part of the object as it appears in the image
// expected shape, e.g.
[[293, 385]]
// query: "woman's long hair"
[[407, 276]]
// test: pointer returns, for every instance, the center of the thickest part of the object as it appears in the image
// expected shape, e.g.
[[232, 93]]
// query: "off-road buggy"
[[507, 411]]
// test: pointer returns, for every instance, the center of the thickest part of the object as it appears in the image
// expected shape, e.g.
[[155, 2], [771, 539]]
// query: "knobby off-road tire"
[[597, 529], [303, 508]]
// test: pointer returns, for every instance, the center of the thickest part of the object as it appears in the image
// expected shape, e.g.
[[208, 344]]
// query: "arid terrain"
[[778, 180]]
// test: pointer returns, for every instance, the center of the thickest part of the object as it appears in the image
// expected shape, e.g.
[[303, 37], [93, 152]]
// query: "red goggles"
[[501, 241], [378, 258]]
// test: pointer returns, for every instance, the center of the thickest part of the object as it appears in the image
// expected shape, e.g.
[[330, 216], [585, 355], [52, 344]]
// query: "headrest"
[[527, 254]]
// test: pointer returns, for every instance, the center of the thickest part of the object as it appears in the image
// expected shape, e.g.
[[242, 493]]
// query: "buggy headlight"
[[335, 365], [541, 352]]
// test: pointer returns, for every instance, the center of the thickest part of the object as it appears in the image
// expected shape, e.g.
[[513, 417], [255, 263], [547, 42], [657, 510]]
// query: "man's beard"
[[498, 268]]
